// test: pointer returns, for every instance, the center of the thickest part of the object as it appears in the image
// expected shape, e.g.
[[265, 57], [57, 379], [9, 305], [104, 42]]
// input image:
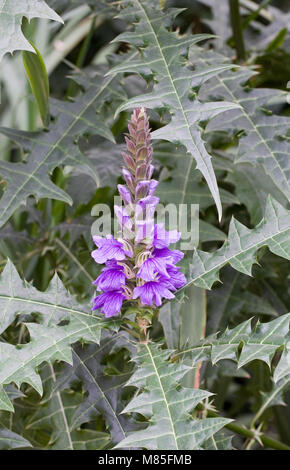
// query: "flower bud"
[[142, 189], [129, 162], [146, 188], [141, 154], [141, 171], [129, 179], [132, 131], [125, 194], [130, 145], [141, 138], [149, 172]]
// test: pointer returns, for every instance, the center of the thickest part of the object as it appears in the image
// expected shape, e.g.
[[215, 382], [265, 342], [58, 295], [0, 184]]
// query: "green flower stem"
[[237, 29], [243, 431]]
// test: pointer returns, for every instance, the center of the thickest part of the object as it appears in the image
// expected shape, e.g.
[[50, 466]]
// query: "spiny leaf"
[[220, 441], [104, 390], [167, 406], [263, 135], [258, 33], [242, 245], [245, 344], [252, 186], [163, 56], [56, 416], [182, 183], [11, 16], [57, 147], [62, 321], [5, 403]]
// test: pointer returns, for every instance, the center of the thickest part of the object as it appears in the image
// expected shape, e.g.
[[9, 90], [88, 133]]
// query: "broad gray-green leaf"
[[245, 344], [258, 33], [263, 135], [163, 56], [252, 184], [57, 147], [220, 441], [56, 415], [11, 16], [62, 321], [104, 390], [11, 440], [182, 183], [170, 427], [242, 244]]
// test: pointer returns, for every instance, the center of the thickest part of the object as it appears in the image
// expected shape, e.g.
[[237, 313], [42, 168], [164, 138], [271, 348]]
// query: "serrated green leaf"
[[11, 16], [265, 339], [242, 245], [171, 427], [182, 183], [104, 391], [163, 56], [263, 140], [283, 365], [244, 344], [57, 147], [5, 403], [220, 441], [62, 322], [56, 416]]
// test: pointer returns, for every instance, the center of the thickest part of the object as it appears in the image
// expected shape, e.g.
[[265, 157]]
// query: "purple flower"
[[144, 231], [162, 238], [174, 255], [146, 188], [111, 278], [125, 194], [110, 302], [152, 291], [144, 219], [153, 266], [146, 261], [145, 207], [176, 278], [108, 248], [123, 218]]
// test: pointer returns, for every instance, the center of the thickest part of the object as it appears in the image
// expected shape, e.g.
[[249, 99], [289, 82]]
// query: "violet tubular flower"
[[139, 265]]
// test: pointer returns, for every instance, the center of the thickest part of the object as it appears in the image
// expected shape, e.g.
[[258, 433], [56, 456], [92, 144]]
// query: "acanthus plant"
[[140, 266], [125, 340]]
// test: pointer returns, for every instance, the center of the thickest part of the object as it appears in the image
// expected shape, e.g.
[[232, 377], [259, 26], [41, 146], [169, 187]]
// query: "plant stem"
[[243, 431], [131, 332], [237, 29]]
